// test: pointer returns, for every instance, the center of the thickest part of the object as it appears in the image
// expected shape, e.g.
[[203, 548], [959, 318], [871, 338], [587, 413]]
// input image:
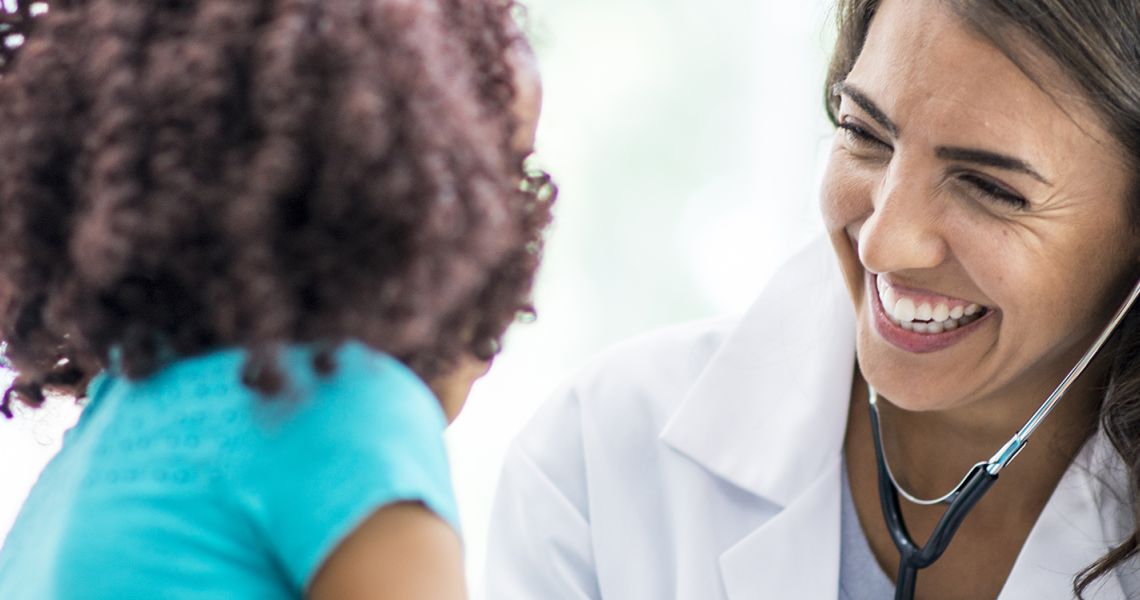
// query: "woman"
[[286, 235], [982, 209]]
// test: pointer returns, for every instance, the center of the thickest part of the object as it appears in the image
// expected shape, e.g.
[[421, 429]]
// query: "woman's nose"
[[903, 230]]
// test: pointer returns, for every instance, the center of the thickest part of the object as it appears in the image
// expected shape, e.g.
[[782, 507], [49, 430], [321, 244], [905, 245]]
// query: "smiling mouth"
[[925, 313]]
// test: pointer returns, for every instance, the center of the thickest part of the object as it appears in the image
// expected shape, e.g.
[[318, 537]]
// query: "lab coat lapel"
[[795, 554], [1083, 519], [768, 414]]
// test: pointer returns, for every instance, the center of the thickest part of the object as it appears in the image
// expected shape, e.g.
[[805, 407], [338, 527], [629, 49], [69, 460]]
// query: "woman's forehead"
[[938, 78]]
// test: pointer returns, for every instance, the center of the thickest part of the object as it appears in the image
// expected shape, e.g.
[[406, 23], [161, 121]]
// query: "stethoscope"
[[973, 486]]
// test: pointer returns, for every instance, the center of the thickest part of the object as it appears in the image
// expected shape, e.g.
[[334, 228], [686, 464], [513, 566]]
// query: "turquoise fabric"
[[188, 485]]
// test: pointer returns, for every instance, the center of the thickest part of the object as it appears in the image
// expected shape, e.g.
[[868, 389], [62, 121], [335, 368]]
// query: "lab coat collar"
[[769, 411], [768, 414], [1088, 513]]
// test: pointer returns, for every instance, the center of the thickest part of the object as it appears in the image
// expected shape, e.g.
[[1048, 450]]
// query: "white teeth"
[[924, 318], [904, 309], [889, 300]]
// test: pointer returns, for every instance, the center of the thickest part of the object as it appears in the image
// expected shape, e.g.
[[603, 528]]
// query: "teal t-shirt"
[[188, 485]]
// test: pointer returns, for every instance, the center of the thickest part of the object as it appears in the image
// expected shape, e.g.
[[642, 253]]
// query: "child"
[[261, 226]]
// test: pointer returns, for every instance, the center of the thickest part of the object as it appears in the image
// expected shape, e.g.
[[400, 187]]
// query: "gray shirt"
[[860, 577]]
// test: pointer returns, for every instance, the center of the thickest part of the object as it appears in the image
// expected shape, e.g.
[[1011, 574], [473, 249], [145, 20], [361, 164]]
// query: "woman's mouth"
[[926, 313], [920, 321]]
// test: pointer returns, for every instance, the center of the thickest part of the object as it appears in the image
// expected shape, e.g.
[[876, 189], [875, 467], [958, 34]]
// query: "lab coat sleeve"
[[540, 544]]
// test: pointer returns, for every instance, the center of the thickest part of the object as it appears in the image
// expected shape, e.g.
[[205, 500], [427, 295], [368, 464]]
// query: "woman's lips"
[[921, 321]]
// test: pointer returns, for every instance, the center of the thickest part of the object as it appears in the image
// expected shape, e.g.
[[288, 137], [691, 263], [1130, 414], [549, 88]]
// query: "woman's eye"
[[994, 191], [859, 136]]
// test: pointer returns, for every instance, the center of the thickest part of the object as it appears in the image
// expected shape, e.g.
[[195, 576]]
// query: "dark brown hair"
[[1097, 44], [182, 176]]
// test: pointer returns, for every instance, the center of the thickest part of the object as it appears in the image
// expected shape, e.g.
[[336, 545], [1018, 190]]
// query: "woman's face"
[[980, 220]]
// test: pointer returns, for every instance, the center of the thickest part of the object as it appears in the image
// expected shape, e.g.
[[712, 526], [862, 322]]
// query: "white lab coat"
[[703, 462]]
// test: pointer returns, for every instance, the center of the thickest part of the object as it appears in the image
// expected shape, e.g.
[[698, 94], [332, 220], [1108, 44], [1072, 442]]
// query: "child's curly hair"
[[183, 175]]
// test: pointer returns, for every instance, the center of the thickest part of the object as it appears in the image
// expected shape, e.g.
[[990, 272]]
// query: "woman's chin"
[[904, 390], [909, 399]]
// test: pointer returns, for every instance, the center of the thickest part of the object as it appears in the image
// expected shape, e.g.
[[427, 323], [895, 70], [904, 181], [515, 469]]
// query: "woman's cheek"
[[845, 197]]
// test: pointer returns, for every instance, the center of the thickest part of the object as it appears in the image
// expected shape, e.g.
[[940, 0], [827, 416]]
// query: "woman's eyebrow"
[[970, 155], [842, 88], [989, 159]]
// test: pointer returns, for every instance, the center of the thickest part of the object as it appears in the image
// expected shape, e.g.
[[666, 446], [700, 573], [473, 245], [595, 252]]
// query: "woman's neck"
[[929, 452]]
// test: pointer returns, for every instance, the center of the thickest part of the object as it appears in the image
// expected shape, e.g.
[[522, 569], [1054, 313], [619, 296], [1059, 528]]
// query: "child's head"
[[179, 176]]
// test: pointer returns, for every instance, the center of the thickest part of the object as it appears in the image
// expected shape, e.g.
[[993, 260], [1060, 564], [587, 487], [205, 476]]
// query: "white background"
[[687, 138]]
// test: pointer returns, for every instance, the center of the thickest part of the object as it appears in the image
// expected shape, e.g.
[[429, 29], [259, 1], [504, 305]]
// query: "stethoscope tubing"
[[913, 557]]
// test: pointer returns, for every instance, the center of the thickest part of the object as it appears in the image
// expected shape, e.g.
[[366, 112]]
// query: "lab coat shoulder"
[[626, 394], [700, 374], [677, 448], [591, 445]]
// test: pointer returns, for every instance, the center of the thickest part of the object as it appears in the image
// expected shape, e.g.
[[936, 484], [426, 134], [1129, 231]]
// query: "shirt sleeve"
[[369, 435]]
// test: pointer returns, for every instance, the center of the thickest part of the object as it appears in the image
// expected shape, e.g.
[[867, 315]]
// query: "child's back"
[[187, 485], [264, 225]]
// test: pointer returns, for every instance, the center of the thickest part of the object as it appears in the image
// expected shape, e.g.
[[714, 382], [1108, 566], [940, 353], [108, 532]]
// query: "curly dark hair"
[[182, 176]]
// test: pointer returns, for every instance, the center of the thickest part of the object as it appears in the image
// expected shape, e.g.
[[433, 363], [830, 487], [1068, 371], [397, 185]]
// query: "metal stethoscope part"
[[974, 485]]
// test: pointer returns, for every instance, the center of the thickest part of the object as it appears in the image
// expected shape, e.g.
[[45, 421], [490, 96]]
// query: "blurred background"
[[688, 139]]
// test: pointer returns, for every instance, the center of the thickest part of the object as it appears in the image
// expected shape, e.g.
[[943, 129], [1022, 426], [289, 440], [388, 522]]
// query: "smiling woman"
[[981, 199], [979, 188]]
